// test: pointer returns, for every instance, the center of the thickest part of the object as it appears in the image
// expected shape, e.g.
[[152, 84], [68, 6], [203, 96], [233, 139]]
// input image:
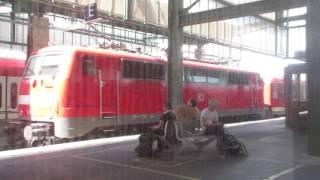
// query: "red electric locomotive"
[[68, 92], [239, 92], [274, 97], [11, 69]]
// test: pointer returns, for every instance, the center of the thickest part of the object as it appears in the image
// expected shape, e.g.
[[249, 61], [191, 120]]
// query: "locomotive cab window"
[[48, 64], [142, 70], [88, 65]]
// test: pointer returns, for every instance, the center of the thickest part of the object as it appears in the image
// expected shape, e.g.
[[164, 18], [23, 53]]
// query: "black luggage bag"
[[146, 145]]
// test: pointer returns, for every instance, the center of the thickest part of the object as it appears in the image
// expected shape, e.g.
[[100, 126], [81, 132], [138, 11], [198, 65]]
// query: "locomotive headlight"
[[27, 133]]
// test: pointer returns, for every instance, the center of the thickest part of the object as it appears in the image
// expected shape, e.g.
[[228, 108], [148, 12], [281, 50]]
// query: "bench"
[[189, 132]]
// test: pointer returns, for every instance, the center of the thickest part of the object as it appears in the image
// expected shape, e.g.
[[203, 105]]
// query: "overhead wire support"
[[185, 10], [241, 10]]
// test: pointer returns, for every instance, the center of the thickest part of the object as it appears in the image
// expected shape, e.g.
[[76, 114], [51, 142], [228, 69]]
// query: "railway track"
[[20, 143]]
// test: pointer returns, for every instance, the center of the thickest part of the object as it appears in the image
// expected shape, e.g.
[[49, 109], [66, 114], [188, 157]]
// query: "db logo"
[[200, 97]]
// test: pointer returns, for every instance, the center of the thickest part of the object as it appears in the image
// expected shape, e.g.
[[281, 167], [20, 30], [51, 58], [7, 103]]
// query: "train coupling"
[[38, 134]]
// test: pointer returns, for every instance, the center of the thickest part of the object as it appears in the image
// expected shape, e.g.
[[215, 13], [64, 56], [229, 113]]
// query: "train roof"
[[11, 68], [7, 54], [138, 56], [197, 63], [111, 52], [12, 62]]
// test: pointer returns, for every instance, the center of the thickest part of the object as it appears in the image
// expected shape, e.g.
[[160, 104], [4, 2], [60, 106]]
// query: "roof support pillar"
[[313, 63], [175, 65]]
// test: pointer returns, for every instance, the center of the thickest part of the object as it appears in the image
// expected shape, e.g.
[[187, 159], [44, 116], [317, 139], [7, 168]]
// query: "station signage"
[[91, 12]]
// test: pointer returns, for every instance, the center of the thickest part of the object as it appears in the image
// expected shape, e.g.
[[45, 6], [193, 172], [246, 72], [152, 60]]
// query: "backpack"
[[146, 144], [171, 132], [234, 146]]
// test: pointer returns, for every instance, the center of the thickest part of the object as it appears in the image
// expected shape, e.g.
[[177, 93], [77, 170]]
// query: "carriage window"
[[244, 79], [132, 69], [259, 80], [199, 75], [88, 65], [126, 69], [214, 77], [147, 71], [238, 78], [153, 71], [158, 72], [187, 75], [14, 95], [142, 70], [232, 78], [281, 90], [277, 91]]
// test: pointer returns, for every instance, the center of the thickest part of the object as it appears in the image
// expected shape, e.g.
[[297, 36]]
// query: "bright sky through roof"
[[268, 66]]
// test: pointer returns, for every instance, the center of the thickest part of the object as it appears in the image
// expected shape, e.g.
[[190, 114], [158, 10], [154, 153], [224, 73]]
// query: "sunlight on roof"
[[7, 53], [268, 66]]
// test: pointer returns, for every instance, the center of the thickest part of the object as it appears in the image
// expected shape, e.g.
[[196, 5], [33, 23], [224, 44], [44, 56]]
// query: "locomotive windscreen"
[[43, 65]]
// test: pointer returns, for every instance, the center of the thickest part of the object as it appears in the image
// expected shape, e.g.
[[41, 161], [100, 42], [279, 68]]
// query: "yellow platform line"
[[138, 168], [284, 172]]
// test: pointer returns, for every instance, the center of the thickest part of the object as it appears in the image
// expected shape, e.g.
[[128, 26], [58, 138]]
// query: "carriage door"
[[12, 97], [2, 97], [109, 88]]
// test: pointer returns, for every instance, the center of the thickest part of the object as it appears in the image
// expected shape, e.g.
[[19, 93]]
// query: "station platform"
[[274, 153]]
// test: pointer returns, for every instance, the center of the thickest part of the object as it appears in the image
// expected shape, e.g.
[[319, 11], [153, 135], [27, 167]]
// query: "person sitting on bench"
[[209, 120], [188, 111], [166, 116]]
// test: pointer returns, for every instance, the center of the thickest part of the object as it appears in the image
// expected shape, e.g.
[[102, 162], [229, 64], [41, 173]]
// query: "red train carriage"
[[239, 93], [274, 97], [69, 92], [11, 69]]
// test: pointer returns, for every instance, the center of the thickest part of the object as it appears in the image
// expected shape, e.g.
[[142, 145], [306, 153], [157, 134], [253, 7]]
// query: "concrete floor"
[[3, 139], [274, 153]]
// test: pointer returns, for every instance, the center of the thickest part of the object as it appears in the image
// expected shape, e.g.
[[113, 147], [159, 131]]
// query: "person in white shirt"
[[209, 120]]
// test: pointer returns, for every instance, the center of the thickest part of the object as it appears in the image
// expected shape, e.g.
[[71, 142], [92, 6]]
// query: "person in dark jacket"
[[166, 116]]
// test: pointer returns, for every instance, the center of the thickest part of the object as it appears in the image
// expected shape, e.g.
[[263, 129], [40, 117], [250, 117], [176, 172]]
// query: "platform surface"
[[274, 153]]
